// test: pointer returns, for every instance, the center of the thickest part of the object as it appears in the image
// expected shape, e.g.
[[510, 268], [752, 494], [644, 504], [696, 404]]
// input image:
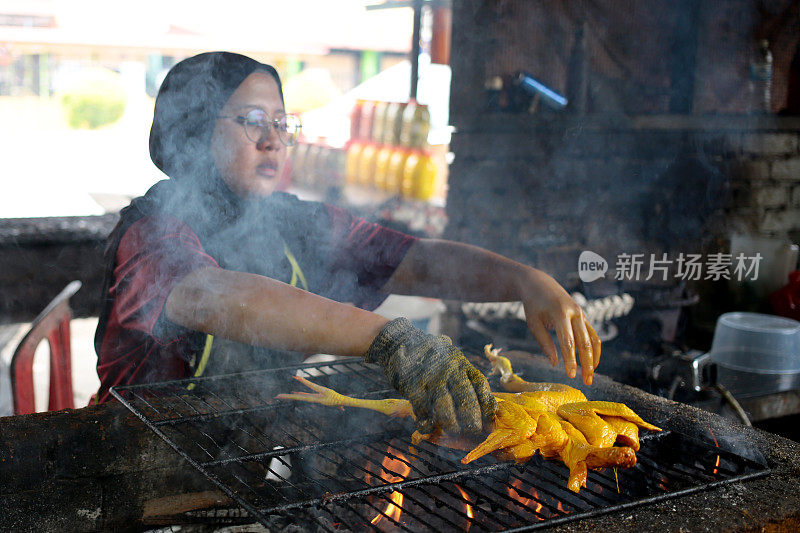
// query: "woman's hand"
[[457, 271], [548, 306]]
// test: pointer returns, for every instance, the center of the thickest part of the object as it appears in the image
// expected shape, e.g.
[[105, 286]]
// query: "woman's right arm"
[[444, 389], [262, 311]]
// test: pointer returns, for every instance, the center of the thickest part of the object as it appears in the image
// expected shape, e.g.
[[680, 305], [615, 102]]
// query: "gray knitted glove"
[[445, 391]]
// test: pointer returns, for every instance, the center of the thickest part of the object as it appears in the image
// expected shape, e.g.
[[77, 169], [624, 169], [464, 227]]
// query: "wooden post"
[[440, 38]]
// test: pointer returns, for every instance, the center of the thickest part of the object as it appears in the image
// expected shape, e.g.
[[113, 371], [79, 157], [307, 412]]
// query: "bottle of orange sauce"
[[355, 119], [353, 147], [360, 129]]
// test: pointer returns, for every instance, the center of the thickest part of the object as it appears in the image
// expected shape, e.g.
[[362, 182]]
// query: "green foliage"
[[96, 99]]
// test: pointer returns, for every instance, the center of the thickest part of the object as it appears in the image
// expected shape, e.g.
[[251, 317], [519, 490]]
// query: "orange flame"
[[716, 465], [561, 508], [393, 509], [467, 507], [513, 491], [395, 469]]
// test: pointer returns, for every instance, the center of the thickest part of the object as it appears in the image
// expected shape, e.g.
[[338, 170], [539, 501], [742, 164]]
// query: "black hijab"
[[188, 102]]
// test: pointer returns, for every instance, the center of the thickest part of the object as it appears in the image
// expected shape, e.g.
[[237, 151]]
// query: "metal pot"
[[752, 354]]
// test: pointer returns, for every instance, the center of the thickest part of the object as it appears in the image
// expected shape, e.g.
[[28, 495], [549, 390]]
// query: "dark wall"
[[648, 56], [40, 256], [626, 173]]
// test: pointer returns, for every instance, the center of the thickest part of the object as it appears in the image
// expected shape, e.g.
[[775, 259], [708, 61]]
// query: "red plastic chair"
[[51, 324]]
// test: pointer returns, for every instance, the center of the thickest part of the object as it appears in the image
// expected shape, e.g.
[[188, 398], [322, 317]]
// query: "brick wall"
[[544, 189], [766, 183]]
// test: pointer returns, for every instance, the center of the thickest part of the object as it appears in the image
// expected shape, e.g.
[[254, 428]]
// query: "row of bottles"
[[388, 152], [408, 172], [316, 166], [390, 123], [388, 149]]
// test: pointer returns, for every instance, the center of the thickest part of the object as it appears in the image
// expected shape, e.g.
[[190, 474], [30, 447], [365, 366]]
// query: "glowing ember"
[[514, 492], [561, 508], [716, 464], [395, 469]]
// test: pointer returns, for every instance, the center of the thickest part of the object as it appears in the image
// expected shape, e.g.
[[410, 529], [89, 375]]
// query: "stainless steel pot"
[[752, 354]]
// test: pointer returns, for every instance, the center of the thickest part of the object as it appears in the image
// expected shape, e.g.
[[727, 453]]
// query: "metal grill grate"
[[327, 469]]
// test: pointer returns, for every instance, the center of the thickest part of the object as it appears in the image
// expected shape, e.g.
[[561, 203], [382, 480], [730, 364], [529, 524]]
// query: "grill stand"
[[214, 412], [100, 468]]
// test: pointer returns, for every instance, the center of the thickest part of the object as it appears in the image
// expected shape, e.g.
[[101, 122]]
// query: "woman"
[[214, 271]]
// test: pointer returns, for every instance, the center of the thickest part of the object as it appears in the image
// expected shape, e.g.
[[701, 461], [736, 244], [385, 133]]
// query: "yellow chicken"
[[554, 419]]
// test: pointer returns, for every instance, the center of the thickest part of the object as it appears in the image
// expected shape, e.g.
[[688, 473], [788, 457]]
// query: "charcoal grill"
[[325, 469]]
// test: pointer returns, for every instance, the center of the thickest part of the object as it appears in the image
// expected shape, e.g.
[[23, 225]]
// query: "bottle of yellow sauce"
[[365, 120], [366, 165], [351, 162], [379, 121], [419, 176], [382, 166], [420, 126], [426, 180], [416, 125], [394, 173], [379, 130], [391, 130]]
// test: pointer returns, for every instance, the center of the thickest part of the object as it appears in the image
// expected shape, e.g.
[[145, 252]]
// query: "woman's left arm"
[[452, 270]]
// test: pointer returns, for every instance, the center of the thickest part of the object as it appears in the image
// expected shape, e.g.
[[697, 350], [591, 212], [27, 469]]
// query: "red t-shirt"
[[141, 345]]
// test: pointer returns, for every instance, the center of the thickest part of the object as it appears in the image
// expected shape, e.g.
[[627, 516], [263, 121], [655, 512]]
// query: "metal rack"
[[332, 470]]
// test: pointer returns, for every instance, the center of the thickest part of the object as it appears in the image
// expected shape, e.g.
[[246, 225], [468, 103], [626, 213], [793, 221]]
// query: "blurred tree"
[[310, 89], [96, 99]]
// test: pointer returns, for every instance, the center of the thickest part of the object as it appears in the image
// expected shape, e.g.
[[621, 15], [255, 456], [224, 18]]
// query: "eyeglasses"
[[257, 124]]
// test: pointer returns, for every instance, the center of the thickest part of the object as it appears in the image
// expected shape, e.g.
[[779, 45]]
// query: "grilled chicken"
[[554, 419]]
